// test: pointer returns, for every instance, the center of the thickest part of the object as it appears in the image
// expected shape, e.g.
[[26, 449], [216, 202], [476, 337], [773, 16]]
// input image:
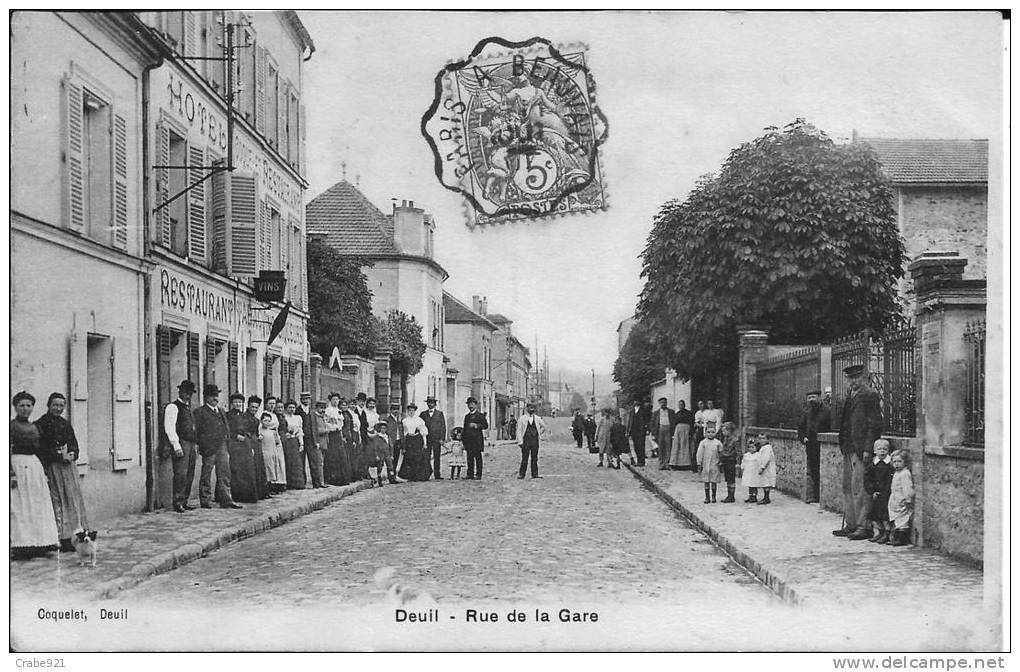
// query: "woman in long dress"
[[33, 525], [58, 452], [334, 458], [682, 456], [352, 443], [293, 448], [415, 463], [272, 452]]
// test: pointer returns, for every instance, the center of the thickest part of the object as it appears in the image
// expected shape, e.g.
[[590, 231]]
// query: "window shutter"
[[285, 379], [163, 183], [193, 359], [210, 360], [214, 44], [125, 450], [219, 219], [120, 186], [232, 385], [281, 114], [196, 205], [304, 271], [190, 46], [164, 386], [260, 90], [266, 236], [267, 376], [242, 220], [301, 138], [79, 401], [74, 157]]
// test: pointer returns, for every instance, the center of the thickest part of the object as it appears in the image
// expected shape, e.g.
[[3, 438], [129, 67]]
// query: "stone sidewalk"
[[789, 546], [135, 547]]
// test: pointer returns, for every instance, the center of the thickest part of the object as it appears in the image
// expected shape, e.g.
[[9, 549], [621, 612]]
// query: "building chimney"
[[409, 230], [410, 204], [476, 304], [934, 269], [485, 306]]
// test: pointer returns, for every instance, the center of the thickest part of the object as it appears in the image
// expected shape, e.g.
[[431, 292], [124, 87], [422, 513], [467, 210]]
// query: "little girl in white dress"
[[456, 448], [750, 476]]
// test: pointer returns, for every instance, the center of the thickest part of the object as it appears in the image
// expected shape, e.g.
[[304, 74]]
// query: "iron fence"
[[890, 362], [782, 383], [974, 402]]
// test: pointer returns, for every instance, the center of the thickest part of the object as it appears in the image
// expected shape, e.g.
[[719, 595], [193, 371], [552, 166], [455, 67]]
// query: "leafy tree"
[[639, 364], [796, 234], [401, 334], [339, 303]]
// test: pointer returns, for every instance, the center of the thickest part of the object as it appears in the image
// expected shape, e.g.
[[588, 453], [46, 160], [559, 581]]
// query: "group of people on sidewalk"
[[47, 507]]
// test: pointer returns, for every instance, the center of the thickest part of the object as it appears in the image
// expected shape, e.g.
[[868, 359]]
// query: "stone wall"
[[953, 510]]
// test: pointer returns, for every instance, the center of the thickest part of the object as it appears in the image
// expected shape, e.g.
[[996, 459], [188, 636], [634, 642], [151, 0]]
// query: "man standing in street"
[[394, 431], [577, 427], [637, 430], [475, 424], [530, 428], [590, 427], [310, 428], [435, 421], [212, 430], [814, 421], [860, 426], [179, 434], [663, 424]]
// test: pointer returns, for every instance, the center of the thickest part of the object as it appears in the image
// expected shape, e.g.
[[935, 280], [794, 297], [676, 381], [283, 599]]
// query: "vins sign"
[[270, 286]]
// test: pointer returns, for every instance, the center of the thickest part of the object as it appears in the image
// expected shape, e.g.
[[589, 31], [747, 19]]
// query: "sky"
[[679, 90]]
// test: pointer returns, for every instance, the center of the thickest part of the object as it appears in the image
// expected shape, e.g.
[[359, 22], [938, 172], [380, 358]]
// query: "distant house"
[[469, 346], [511, 372], [404, 274], [941, 189]]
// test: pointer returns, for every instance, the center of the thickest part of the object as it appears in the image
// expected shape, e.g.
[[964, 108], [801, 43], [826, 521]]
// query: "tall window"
[[96, 165], [272, 105], [278, 240], [179, 208]]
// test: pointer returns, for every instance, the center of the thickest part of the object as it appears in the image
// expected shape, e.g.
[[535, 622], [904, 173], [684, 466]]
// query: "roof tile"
[[932, 161], [352, 224]]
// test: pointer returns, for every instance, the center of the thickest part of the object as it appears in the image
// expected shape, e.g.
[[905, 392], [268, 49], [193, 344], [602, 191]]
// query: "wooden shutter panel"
[[164, 386], [281, 114], [267, 376], [285, 379], [120, 185], [214, 45], [260, 90], [232, 385], [193, 359], [210, 360], [74, 156], [163, 184], [219, 219], [79, 401], [196, 205], [190, 46], [301, 138], [242, 243], [125, 446], [266, 235]]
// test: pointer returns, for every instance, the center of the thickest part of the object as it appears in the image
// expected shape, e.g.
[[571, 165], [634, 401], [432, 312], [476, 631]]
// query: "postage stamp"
[[516, 130]]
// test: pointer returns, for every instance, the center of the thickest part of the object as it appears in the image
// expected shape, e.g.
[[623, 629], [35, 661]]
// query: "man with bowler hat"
[[212, 430], [814, 421], [473, 438], [435, 421], [179, 437], [860, 426]]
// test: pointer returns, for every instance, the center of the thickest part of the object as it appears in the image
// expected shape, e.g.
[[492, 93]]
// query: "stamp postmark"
[[517, 132]]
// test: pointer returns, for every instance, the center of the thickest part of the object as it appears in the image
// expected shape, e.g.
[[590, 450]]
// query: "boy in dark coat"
[[878, 481], [618, 441]]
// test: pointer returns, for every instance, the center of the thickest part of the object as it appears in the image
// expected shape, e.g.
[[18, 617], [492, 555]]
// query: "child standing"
[[272, 453], [749, 476], [901, 499], [708, 460], [728, 459], [878, 480], [376, 449], [456, 448], [618, 441], [766, 466]]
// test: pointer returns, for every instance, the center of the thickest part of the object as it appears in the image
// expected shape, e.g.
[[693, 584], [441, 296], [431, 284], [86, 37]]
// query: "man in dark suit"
[[577, 427], [310, 429], [589, 431], [637, 430], [474, 439], [815, 420], [860, 426], [179, 438], [435, 422], [662, 426], [395, 432], [212, 430]]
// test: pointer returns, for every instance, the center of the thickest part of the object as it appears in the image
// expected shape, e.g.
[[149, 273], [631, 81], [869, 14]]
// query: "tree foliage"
[[639, 364], [795, 234], [401, 334], [339, 303]]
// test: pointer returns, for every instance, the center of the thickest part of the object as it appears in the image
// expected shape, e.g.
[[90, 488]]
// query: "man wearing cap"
[[814, 421], [179, 436], [473, 439], [212, 430], [436, 423], [860, 426], [662, 425], [310, 429], [530, 428]]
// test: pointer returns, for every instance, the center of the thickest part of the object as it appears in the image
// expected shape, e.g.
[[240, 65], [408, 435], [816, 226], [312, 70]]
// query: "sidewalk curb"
[[169, 560], [770, 579]]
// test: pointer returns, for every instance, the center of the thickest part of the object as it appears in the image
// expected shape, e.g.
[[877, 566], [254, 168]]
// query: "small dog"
[[84, 541], [400, 594]]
